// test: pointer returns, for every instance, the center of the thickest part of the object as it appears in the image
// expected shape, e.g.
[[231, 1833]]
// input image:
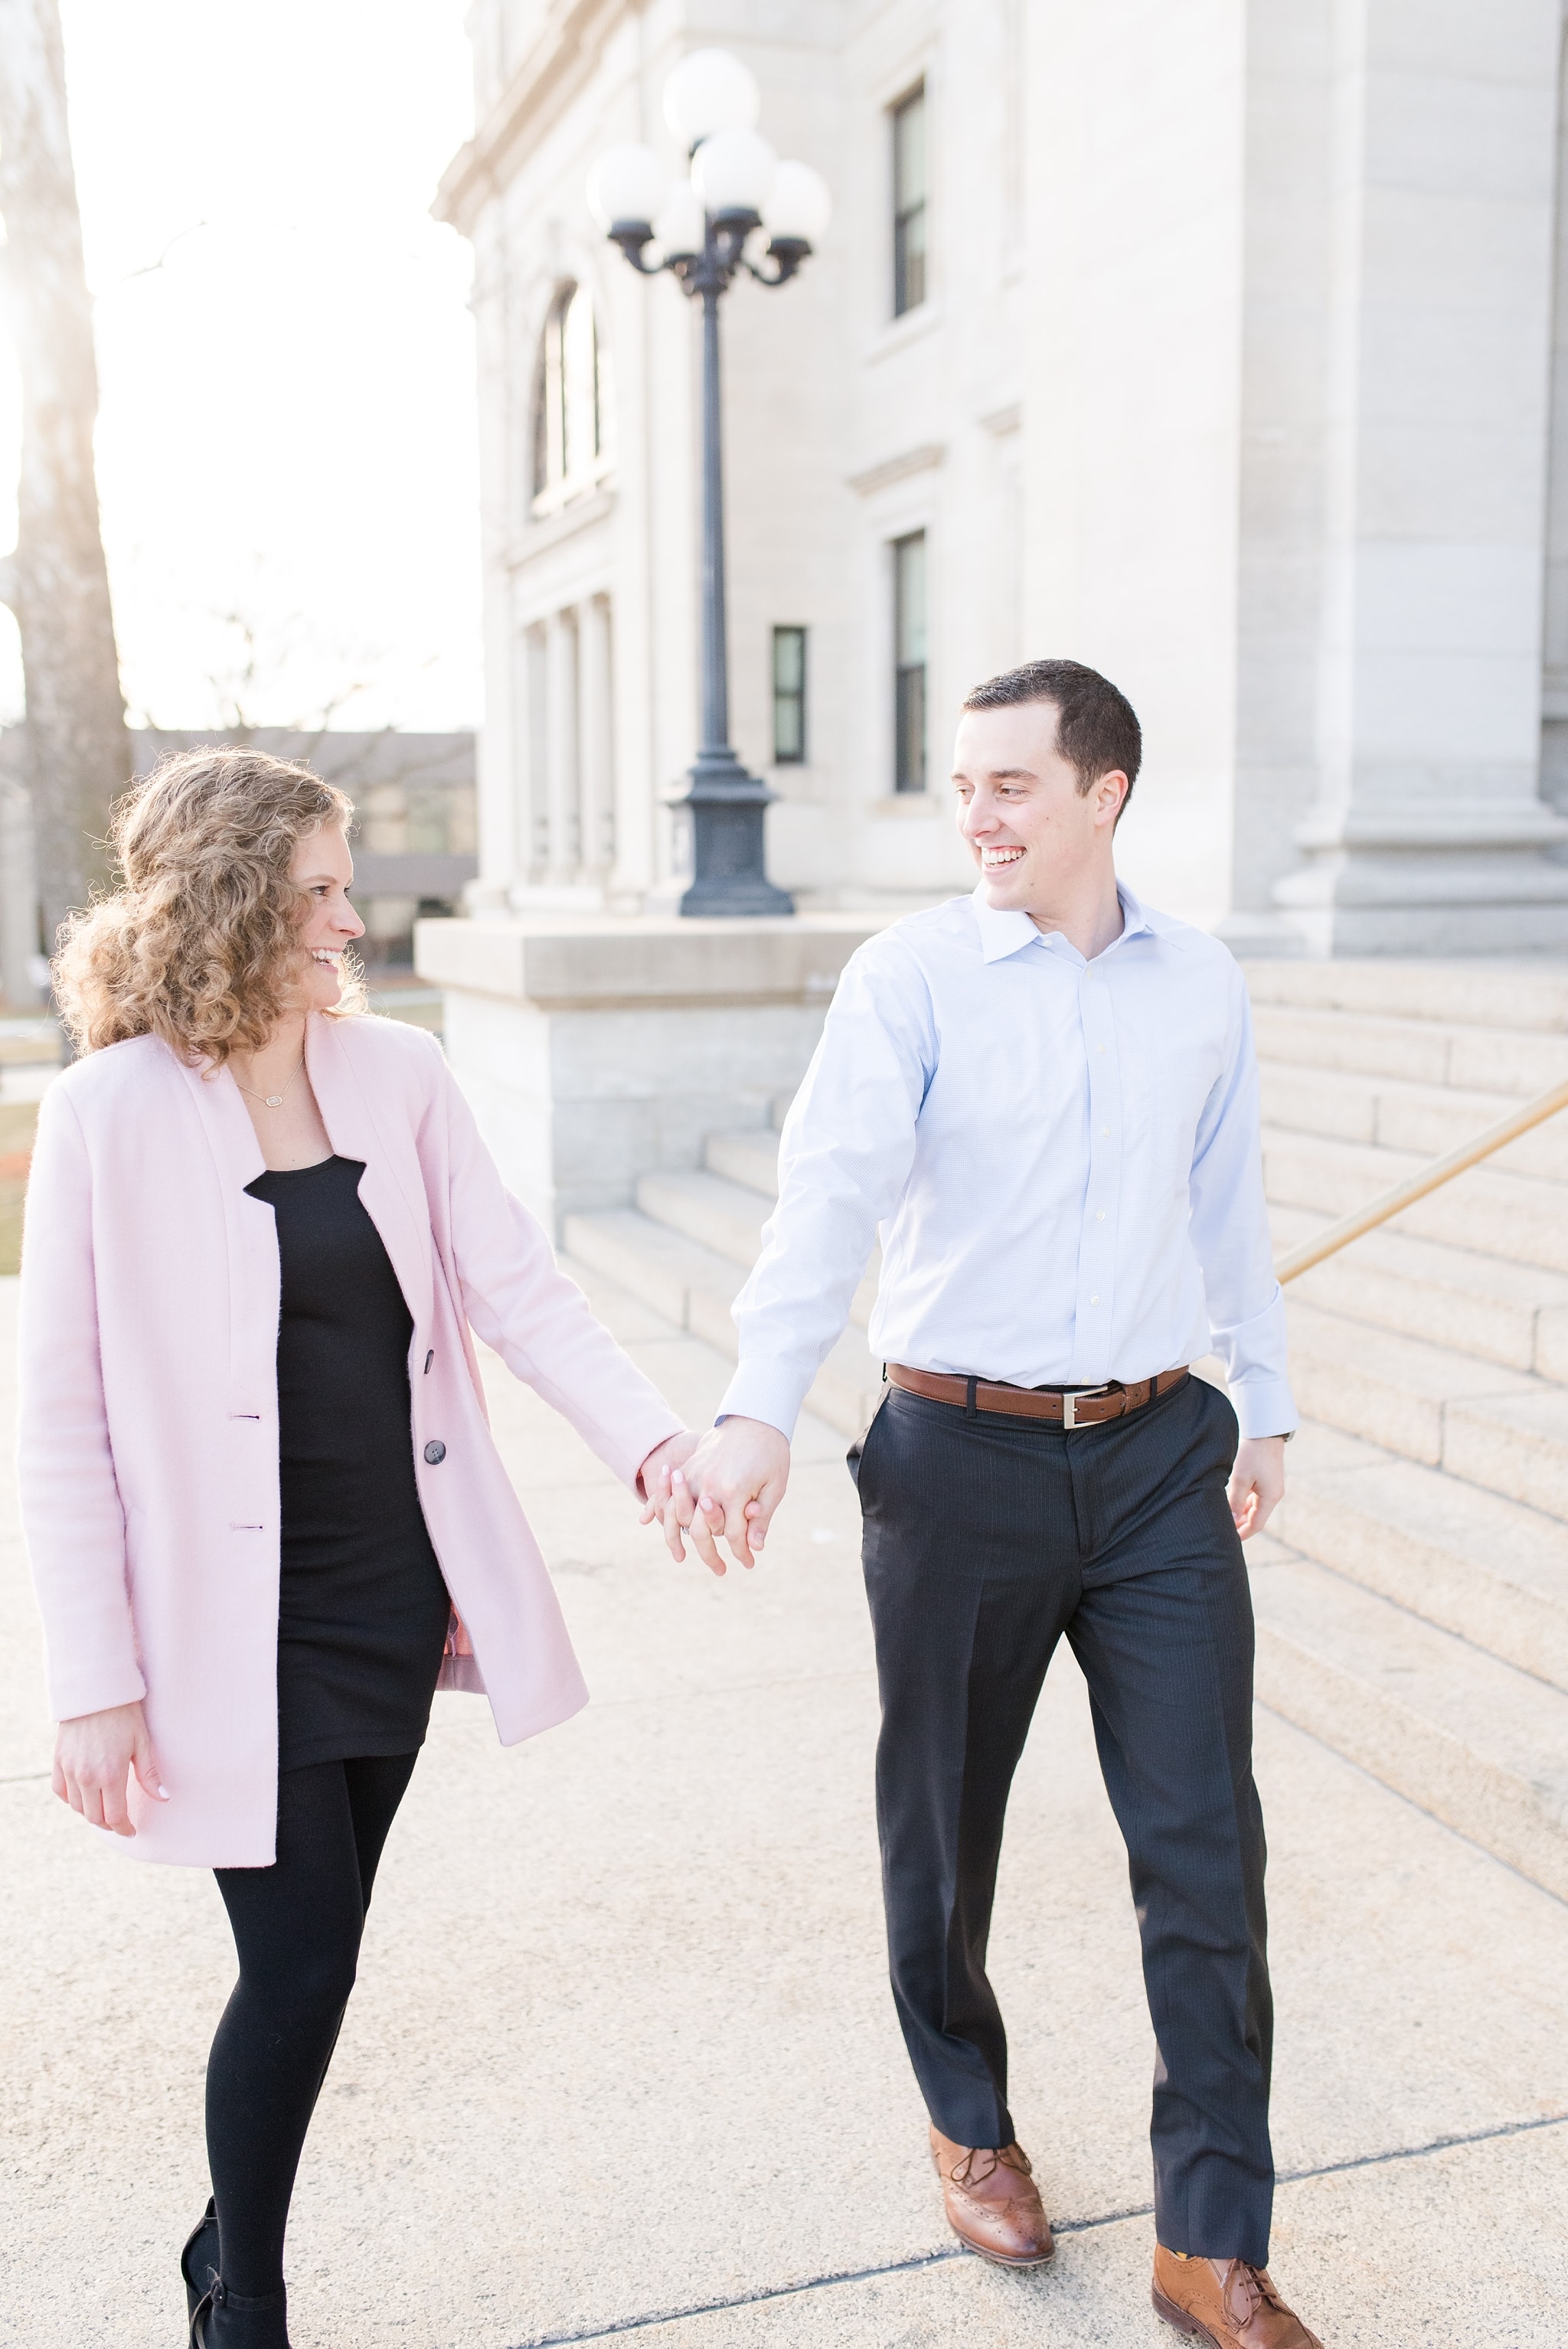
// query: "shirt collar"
[[1005, 933]]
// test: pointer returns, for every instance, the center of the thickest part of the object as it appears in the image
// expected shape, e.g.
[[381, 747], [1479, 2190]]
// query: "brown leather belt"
[[1088, 1408]]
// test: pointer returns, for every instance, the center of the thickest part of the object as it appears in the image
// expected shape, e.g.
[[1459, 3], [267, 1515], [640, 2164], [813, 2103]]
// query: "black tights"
[[297, 1926]]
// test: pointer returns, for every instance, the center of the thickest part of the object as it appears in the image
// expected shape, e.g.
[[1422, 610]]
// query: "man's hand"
[[729, 1489], [94, 1756], [1257, 1483]]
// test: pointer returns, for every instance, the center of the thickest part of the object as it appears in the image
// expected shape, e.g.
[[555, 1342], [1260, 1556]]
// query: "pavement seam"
[[919, 2260]]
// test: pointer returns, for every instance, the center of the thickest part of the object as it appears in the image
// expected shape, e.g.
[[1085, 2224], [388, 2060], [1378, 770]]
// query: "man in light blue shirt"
[[1045, 1098]]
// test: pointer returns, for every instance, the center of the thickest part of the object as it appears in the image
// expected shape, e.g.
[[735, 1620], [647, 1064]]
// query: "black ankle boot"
[[199, 2259], [226, 2320]]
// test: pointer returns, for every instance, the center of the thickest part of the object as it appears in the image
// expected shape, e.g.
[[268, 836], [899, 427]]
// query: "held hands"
[[1257, 1483], [94, 1756], [654, 1476], [727, 1484]]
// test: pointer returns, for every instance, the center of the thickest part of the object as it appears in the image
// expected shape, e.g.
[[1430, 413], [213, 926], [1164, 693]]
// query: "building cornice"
[[898, 469], [553, 68], [538, 537]]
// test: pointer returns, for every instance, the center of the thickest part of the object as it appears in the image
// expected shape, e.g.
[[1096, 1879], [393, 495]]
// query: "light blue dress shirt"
[[1062, 1158]]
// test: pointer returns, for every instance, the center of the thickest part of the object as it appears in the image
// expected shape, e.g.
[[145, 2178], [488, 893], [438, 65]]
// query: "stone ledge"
[[600, 962]]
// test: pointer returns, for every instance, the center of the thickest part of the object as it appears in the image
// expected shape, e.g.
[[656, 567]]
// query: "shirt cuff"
[[764, 1391], [1264, 1406]]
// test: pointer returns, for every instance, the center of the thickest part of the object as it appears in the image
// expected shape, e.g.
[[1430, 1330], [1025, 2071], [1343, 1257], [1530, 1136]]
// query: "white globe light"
[[733, 171], [627, 183], [798, 206], [709, 91], [680, 224]]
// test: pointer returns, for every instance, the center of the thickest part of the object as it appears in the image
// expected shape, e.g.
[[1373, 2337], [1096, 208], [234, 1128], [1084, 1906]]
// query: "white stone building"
[[1226, 357]]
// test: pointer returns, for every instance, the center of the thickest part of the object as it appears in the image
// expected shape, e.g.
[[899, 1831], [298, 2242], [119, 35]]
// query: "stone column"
[[1430, 833], [562, 760], [503, 791], [533, 758], [594, 755]]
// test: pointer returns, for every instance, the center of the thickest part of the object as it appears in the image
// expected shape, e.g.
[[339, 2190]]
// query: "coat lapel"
[[251, 1238], [354, 1132]]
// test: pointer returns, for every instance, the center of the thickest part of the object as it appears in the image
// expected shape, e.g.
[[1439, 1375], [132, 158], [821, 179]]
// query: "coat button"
[[435, 1454]]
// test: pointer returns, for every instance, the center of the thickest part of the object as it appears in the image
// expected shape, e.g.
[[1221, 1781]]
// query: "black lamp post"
[[702, 226]]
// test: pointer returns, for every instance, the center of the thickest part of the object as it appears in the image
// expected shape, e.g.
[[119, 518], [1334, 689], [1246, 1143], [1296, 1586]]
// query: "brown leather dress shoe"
[[993, 2204], [1226, 2303]]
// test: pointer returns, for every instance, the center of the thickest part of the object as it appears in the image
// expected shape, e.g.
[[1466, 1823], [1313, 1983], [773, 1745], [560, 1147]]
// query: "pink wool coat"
[[150, 1410]]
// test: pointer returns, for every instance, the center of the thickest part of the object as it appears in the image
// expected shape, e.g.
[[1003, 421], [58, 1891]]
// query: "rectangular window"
[[909, 203], [789, 697], [909, 662]]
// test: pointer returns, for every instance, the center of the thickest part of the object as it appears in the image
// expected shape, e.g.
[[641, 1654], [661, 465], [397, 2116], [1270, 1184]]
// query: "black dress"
[[362, 1608]]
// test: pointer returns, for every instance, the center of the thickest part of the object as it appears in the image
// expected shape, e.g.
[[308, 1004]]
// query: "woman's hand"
[[94, 1754], [654, 1476], [729, 1489]]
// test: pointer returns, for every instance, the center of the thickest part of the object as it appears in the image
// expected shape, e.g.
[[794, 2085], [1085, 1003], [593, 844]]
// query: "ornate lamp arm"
[[632, 236], [787, 253]]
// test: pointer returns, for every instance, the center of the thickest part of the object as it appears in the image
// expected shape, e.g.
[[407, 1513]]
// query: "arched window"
[[570, 436]]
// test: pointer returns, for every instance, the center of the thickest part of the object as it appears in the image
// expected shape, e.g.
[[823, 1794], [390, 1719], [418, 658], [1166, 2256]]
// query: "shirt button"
[[1106, 1131], [1099, 1215], [1099, 1047], [1094, 1301], [435, 1454]]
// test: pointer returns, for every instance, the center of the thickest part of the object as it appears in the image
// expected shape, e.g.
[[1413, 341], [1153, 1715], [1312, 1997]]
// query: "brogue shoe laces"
[[1248, 2289], [964, 2175]]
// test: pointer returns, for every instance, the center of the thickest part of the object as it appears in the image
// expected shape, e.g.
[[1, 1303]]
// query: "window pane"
[[911, 730], [909, 151], [554, 398], [909, 662], [909, 197], [789, 697], [579, 400], [908, 554], [909, 263], [539, 463]]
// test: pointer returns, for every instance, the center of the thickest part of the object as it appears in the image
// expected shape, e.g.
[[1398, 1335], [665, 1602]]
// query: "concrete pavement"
[[622, 2061]]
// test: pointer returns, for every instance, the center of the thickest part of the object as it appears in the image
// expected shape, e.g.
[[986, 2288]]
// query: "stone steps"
[[1471, 1562], [1480, 1745], [1414, 1051], [749, 1158], [1529, 996], [1401, 1392], [1428, 1120], [1520, 1217], [695, 1286], [723, 1217], [1480, 1305]]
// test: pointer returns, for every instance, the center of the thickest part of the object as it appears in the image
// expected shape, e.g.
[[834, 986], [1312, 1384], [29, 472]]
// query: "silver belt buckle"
[[1071, 1401]]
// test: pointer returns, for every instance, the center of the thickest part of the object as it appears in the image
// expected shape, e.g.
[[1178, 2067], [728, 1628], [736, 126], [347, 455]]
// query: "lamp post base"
[[728, 873]]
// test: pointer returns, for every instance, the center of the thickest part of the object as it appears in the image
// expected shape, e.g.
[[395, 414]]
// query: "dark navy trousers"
[[986, 1539]]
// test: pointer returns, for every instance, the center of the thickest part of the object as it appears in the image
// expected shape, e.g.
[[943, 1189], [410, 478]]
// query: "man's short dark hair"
[[1097, 727]]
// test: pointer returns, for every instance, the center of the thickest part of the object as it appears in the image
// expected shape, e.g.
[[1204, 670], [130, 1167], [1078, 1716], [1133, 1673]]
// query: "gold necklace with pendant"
[[270, 1100]]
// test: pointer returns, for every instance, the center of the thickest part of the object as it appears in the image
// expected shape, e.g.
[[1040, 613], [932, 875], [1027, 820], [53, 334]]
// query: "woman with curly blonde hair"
[[265, 1512]]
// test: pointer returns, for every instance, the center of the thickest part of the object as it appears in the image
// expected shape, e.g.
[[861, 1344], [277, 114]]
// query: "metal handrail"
[[1416, 1186]]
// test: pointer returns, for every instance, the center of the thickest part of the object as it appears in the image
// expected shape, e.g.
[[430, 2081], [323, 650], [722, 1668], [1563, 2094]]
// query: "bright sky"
[[286, 430]]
